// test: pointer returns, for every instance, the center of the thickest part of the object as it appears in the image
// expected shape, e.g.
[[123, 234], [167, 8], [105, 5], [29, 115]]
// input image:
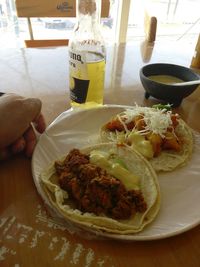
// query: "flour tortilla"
[[167, 160], [148, 185]]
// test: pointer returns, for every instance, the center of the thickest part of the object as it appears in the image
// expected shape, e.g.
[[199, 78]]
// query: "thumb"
[[15, 117], [32, 107]]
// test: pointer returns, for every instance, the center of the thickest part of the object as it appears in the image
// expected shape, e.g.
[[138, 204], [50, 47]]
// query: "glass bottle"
[[87, 56]]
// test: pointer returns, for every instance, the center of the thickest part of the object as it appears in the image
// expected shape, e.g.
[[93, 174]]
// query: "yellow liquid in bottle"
[[96, 74]]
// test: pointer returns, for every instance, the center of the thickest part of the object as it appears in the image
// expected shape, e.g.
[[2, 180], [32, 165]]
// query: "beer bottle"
[[87, 56]]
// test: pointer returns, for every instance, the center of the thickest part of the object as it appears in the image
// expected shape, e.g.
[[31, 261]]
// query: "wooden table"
[[28, 235]]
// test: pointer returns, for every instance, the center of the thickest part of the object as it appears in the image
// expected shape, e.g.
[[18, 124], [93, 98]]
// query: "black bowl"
[[171, 94]]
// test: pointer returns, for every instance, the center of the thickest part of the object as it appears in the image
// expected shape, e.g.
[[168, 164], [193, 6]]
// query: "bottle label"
[[86, 78]]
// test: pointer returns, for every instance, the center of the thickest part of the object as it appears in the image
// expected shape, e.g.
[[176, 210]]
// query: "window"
[[176, 19], [174, 22], [14, 30]]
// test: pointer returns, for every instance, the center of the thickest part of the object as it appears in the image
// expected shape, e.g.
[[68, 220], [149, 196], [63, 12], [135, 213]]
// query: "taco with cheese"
[[159, 135], [105, 188]]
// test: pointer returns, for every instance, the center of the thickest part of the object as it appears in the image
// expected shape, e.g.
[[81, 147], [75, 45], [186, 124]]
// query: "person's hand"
[[20, 119]]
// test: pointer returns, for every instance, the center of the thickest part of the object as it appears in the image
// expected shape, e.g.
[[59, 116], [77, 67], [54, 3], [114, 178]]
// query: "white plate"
[[180, 189]]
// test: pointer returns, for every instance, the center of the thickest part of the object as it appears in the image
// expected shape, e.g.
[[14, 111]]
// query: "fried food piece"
[[174, 118], [115, 125], [156, 142], [139, 122], [171, 142]]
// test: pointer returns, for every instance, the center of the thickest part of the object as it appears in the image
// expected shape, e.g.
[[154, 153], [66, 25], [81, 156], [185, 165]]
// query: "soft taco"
[[106, 188], [159, 135]]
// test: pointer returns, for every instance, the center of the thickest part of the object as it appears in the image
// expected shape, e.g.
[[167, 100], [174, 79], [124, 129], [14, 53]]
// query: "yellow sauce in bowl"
[[167, 79]]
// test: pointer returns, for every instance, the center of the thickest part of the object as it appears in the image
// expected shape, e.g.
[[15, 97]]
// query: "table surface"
[[28, 234]]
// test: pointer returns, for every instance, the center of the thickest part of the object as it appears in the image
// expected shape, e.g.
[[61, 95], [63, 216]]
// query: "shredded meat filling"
[[94, 190]]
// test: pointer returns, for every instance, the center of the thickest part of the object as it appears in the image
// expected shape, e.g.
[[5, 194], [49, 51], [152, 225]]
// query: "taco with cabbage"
[[106, 188], [159, 135]]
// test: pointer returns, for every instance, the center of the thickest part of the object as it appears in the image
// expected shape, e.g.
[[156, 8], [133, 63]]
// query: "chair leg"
[[30, 29]]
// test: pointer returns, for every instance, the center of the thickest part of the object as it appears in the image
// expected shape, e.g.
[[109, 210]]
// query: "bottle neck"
[[87, 33], [88, 12]]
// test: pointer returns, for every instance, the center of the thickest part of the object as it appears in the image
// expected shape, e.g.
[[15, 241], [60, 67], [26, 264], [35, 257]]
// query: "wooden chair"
[[196, 58], [50, 9], [150, 27]]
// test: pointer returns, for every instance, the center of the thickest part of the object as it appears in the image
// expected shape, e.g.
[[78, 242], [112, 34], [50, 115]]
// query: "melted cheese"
[[115, 167], [141, 145]]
